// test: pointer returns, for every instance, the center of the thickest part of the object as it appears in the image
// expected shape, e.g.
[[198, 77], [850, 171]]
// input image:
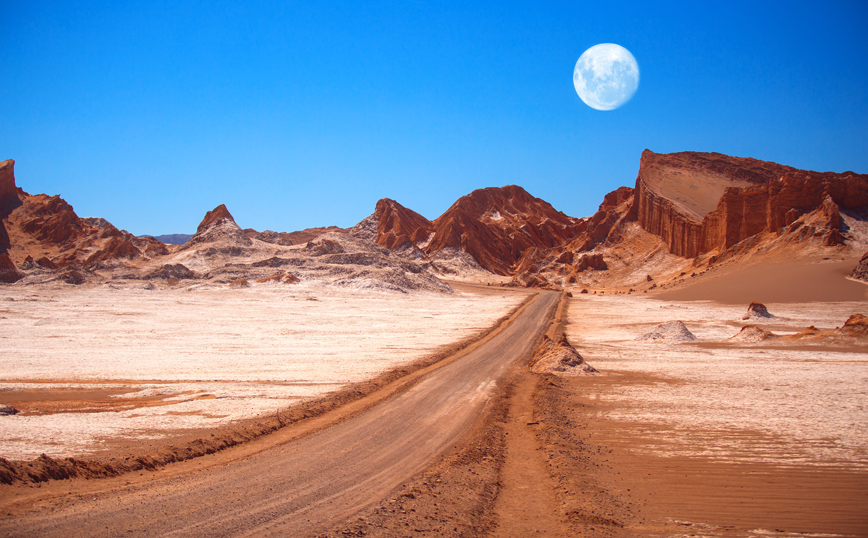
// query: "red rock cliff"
[[699, 202]]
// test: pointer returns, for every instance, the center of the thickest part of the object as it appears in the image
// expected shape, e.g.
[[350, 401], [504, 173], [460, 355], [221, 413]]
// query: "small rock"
[[757, 310]]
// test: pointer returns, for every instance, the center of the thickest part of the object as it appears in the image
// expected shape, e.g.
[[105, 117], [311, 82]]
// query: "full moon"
[[606, 76]]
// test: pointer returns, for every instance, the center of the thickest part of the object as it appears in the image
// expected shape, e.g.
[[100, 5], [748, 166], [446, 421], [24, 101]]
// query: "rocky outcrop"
[[757, 311], [559, 358], [751, 334], [177, 270], [700, 202], [496, 226], [218, 227], [8, 191], [8, 272], [397, 226], [860, 272]]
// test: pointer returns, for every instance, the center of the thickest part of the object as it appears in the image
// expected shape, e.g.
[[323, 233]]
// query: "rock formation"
[[218, 227], [860, 272], [700, 202], [495, 226], [750, 334], [559, 358], [46, 228], [397, 226], [757, 311], [8, 271]]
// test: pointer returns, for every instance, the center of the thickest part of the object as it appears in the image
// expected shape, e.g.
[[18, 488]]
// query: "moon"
[[606, 76]]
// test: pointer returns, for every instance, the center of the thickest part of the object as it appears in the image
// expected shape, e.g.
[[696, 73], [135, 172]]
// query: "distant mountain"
[[172, 239]]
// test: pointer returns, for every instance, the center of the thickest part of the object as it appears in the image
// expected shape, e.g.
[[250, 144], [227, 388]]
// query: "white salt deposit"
[[255, 350], [669, 332], [728, 400]]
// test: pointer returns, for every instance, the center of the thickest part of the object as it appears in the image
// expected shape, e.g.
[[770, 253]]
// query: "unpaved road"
[[311, 484]]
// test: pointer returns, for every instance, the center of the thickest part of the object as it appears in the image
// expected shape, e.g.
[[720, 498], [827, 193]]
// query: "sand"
[[787, 281]]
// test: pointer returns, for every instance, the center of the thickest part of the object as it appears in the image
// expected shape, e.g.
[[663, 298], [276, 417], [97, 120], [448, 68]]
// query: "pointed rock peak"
[[397, 225], [213, 217]]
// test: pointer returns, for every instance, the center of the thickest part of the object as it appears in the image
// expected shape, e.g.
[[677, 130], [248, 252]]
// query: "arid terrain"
[[691, 360]]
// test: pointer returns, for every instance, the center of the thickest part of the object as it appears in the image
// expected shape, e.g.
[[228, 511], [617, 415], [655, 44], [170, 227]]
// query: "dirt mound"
[[757, 311], [72, 276], [751, 334], [281, 278], [854, 330], [559, 358], [177, 270], [322, 247], [671, 331]]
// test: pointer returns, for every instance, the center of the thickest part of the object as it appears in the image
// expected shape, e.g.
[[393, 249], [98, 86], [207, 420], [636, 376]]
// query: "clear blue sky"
[[300, 114]]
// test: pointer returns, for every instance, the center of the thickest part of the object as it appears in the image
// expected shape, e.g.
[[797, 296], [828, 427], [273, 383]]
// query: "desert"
[[166, 370], [390, 269]]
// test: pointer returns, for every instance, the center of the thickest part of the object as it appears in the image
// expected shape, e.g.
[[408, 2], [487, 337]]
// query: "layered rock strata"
[[700, 202]]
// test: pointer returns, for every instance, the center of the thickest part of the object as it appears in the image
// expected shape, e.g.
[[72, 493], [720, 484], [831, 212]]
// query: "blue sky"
[[300, 114]]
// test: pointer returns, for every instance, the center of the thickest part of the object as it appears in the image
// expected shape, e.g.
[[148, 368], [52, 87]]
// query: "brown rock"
[[177, 271], [860, 272], [283, 278], [115, 249], [559, 358], [753, 334], [8, 272], [213, 217], [45, 262], [699, 202], [397, 225], [496, 226], [72, 276], [757, 310], [591, 261]]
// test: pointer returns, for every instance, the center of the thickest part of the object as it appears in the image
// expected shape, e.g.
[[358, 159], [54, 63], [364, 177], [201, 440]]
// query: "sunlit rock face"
[[699, 202]]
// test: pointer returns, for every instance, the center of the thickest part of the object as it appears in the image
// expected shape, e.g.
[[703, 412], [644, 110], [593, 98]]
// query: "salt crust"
[[807, 403], [256, 350]]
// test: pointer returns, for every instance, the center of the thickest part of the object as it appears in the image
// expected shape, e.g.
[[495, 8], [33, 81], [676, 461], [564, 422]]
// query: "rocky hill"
[[686, 212], [690, 205]]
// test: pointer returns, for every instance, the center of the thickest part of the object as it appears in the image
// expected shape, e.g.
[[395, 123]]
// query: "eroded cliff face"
[[702, 202]]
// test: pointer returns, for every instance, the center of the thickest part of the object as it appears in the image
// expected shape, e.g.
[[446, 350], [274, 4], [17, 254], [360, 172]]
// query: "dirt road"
[[308, 485]]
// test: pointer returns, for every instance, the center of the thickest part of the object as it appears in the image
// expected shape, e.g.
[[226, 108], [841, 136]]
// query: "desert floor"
[[91, 369], [672, 438]]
